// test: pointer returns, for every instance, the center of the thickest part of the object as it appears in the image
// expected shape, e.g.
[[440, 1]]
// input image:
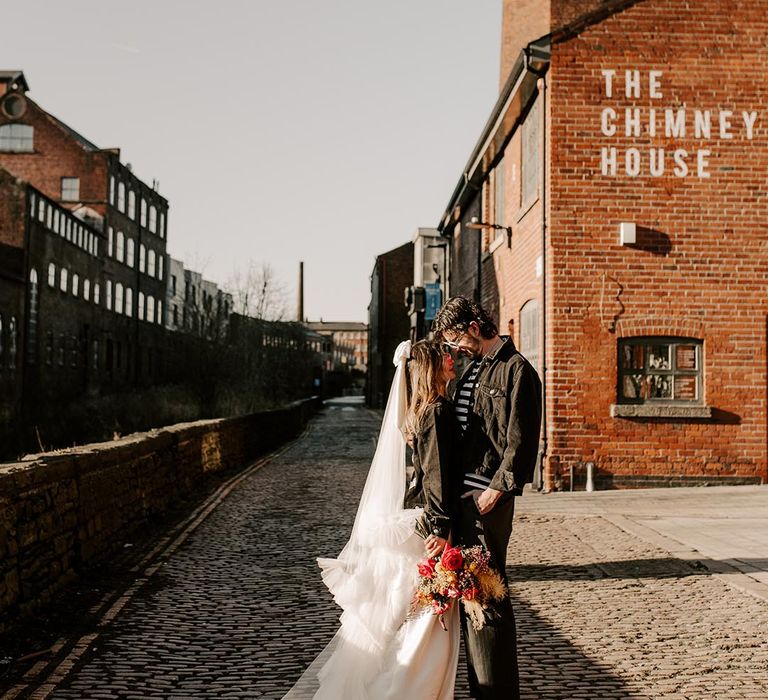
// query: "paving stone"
[[239, 610]]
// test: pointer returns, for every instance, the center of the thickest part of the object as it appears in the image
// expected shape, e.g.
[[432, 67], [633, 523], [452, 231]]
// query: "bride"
[[380, 651]]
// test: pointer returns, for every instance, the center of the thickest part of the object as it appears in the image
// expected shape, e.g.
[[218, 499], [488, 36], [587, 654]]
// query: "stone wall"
[[61, 512]]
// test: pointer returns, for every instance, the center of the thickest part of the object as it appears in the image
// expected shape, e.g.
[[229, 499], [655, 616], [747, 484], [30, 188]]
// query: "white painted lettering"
[[702, 163], [749, 121], [608, 75], [608, 161], [632, 162], [632, 121], [702, 124], [652, 122], [632, 85], [681, 167], [657, 162], [608, 127], [674, 123], [725, 124], [654, 80]]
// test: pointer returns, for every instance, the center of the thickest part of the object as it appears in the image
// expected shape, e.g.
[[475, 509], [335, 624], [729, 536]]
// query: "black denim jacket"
[[435, 475], [501, 440]]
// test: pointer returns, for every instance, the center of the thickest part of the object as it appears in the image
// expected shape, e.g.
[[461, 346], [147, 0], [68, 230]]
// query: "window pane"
[[659, 357], [685, 357], [70, 189], [632, 356], [659, 386], [686, 388], [632, 386]]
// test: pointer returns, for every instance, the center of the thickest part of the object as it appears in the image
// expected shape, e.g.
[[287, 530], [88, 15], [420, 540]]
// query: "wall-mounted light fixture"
[[627, 233], [480, 225]]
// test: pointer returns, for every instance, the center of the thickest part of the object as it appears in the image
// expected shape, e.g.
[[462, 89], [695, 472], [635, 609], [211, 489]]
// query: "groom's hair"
[[456, 315]]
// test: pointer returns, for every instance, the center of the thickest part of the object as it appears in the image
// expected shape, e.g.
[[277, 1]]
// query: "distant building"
[[350, 341], [196, 305], [105, 233], [389, 323]]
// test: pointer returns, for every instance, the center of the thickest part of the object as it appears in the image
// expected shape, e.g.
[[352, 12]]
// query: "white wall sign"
[[707, 126]]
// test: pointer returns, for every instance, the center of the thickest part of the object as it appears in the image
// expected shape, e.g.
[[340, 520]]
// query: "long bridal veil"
[[372, 579]]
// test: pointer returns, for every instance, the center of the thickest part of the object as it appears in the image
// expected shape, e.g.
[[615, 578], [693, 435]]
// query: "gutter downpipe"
[[542, 88]]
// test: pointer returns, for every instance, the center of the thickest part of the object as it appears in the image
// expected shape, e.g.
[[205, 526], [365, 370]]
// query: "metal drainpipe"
[[542, 88]]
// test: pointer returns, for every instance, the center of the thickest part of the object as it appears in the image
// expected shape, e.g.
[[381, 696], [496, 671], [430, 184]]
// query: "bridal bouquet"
[[460, 573]]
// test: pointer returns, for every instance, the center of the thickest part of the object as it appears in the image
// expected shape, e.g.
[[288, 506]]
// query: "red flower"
[[440, 608], [427, 568], [452, 559], [469, 593]]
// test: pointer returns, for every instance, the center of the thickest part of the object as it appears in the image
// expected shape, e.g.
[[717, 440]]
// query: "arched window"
[[118, 298], [64, 279], [529, 332], [131, 204], [49, 348], [151, 263], [33, 305], [51, 274], [130, 252], [96, 292], [120, 255], [141, 306], [142, 258], [87, 289], [160, 261], [121, 196], [62, 350], [109, 295], [150, 309], [110, 241], [153, 218], [162, 225], [12, 340], [128, 301], [17, 138], [75, 284], [160, 311]]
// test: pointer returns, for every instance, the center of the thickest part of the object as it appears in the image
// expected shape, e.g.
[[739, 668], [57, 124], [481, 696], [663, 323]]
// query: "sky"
[[282, 131]]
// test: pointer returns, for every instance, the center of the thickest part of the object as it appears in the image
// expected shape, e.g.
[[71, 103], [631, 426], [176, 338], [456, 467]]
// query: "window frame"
[[17, 137], [66, 191], [673, 371]]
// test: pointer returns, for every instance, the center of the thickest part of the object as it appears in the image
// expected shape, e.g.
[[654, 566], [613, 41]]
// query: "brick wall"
[[61, 512], [700, 265], [56, 155], [522, 22]]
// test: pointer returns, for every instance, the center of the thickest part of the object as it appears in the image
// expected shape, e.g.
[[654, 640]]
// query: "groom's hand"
[[484, 500], [434, 545]]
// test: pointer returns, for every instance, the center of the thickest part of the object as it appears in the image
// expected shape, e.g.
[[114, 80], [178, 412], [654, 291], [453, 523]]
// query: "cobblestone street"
[[238, 610]]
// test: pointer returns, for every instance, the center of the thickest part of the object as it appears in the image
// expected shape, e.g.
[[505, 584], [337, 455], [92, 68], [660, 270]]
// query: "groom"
[[498, 405]]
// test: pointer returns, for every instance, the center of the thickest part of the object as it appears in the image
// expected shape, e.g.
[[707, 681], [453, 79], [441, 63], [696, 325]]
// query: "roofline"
[[577, 26], [531, 63]]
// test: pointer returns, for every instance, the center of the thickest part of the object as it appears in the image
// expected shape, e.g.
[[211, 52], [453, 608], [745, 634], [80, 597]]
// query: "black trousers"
[[491, 651]]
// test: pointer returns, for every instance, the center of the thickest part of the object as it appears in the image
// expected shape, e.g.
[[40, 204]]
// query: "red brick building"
[[621, 186]]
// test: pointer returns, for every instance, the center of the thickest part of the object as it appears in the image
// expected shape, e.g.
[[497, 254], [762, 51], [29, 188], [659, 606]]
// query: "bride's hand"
[[434, 545]]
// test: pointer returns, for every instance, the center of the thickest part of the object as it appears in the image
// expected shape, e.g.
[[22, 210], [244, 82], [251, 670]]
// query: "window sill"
[[659, 411]]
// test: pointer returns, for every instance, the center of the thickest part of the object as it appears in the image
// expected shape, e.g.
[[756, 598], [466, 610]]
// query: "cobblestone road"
[[239, 609]]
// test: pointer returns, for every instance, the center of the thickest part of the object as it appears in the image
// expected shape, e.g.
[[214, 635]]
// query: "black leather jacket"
[[501, 440], [435, 474]]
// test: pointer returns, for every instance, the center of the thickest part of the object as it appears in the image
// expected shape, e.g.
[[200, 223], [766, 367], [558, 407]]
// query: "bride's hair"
[[424, 381]]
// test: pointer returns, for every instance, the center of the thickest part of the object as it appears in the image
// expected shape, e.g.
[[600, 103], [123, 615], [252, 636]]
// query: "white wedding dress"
[[378, 654]]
